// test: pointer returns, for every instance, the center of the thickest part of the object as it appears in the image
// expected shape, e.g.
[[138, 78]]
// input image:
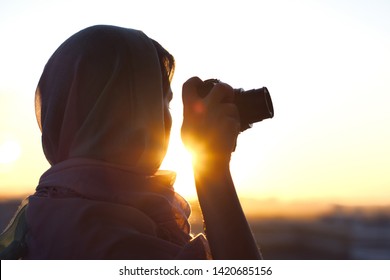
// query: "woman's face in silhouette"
[[167, 114]]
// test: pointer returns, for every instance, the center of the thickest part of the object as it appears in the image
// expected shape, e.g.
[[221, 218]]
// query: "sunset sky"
[[325, 63]]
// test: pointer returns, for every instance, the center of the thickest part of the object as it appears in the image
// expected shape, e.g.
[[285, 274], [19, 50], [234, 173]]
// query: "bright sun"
[[9, 151], [178, 159]]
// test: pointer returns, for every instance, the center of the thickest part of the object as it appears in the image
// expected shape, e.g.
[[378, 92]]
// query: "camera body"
[[253, 105]]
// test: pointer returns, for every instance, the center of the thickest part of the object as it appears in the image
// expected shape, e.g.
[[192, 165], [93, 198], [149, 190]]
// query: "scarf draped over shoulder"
[[86, 209]]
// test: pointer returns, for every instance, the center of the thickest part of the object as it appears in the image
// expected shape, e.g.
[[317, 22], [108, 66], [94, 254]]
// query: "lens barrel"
[[253, 106]]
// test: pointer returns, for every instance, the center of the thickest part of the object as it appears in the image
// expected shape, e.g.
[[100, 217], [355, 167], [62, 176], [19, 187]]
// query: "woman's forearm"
[[226, 227]]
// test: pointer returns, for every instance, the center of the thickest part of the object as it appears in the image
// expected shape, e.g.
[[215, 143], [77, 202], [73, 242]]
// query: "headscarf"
[[101, 96]]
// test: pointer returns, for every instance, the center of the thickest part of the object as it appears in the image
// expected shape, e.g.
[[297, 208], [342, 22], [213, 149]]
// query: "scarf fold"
[[95, 210]]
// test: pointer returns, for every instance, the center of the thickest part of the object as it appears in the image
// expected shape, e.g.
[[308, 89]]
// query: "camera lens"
[[253, 106]]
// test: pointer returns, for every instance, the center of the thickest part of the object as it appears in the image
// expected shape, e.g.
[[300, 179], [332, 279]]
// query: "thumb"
[[190, 93]]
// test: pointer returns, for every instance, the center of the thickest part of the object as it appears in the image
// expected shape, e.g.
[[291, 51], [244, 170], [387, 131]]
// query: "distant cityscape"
[[340, 234], [343, 233]]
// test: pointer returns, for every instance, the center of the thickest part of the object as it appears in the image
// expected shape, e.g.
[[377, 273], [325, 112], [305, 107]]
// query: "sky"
[[325, 63]]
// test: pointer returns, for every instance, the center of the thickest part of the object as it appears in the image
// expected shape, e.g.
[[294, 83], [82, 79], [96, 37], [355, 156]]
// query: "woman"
[[102, 106]]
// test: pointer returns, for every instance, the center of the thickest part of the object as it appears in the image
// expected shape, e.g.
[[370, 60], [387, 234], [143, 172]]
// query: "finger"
[[190, 90], [231, 129], [230, 110], [229, 113], [220, 93], [234, 127]]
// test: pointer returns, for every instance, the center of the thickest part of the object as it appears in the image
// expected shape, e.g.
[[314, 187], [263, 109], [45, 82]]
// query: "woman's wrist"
[[213, 162]]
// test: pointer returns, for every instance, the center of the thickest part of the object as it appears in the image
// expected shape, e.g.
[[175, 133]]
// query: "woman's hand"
[[211, 124], [210, 128]]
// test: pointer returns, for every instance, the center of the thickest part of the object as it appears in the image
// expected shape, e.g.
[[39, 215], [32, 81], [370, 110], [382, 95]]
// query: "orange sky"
[[326, 64]]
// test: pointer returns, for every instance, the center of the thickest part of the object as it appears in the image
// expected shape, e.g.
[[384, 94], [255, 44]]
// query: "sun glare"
[[9, 151], [179, 159]]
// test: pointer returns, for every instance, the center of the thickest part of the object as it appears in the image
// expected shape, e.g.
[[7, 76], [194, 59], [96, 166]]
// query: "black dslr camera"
[[253, 105]]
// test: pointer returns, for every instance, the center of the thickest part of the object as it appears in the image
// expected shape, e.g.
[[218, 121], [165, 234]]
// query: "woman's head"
[[102, 95], [167, 66]]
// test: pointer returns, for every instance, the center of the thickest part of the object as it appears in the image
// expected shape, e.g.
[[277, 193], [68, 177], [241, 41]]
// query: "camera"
[[253, 105]]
